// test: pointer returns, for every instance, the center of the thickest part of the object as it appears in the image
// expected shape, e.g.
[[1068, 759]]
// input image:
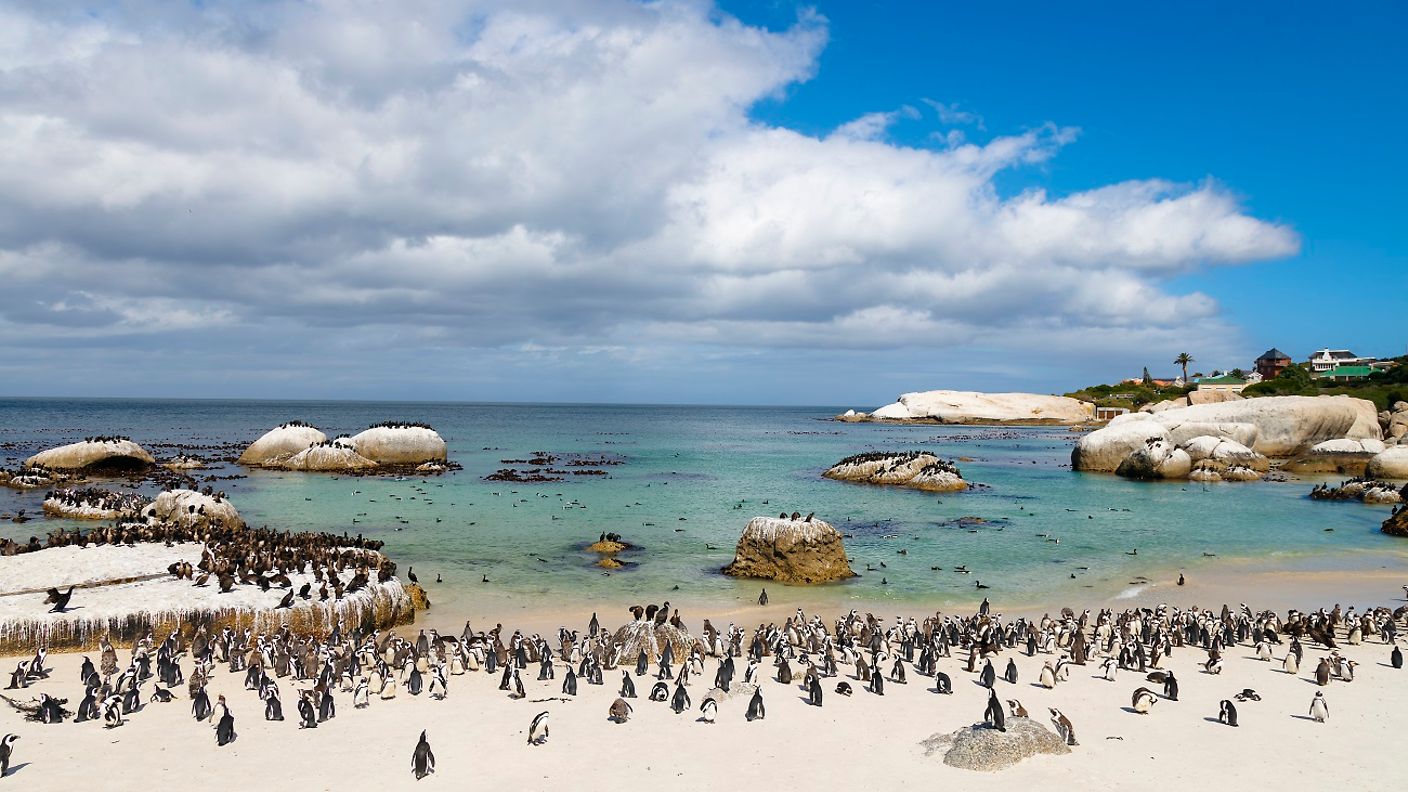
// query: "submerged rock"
[[790, 551], [914, 469], [980, 747], [99, 453], [400, 444], [280, 443]]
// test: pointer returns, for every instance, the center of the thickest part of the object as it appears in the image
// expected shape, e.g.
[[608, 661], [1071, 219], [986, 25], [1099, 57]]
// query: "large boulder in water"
[[1275, 426], [400, 444], [328, 457], [971, 407], [111, 453], [1389, 464], [914, 469], [1346, 457], [280, 443], [191, 509], [980, 747], [1158, 459], [790, 551]]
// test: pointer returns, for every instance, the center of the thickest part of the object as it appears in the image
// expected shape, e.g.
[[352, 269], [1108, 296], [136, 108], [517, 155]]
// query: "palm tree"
[[1183, 360]]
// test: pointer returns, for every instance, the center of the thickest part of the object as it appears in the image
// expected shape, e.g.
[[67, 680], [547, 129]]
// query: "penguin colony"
[[802, 651]]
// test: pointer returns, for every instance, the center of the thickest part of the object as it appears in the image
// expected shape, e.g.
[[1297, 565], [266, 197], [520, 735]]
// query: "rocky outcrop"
[[1219, 459], [30, 478], [1394, 422], [1345, 457], [93, 504], [1276, 426], [1397, 523], [400, 444], [913, 469], [183, 462], [94, 454], [971, 407], [647, 636], [1157, 459], [790, 551], [191, 509], [1371, 491], [328, 457], [280, 443], [980, 747], [1391, 463]]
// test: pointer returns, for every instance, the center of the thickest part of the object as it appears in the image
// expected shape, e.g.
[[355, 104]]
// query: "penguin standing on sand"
[[1319, 710], [1063, 726], [709, 710], [756, 710], [88, 709], [200, 707], [1228, 713], [628, 687], [1322, 672], [942, 683], [308, 716], [877, 683], [763, 598], [814, 692], [1170, 687], [422, 759], [988, 677], [538, 729], [680, 701], [1011, 673], [112, 712], [642, 663], [273, 706], [1018, 711], [993, 714], [569, 683], [7, 749], [1143, 700], [1395, 658], [225, 729]]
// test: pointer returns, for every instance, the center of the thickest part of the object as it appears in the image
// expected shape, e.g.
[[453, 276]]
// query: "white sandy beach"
[[479, 734]]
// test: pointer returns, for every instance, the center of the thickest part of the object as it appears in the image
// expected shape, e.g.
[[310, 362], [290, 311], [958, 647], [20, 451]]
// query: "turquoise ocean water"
[[690, 479]]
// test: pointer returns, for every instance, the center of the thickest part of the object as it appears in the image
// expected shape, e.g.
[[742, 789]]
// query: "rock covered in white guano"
[[191, 509], [913, 469], [1157, 459], [280, 443], [981, 747], [184, 462], [395, 443], [92, 503], [1392, 463], [94, 453], [30, 478], [1371, 491], [652, 638], [790, 551], [1228, 453], [328, 457], [972, 407], [1275, 426], [1348, 457]]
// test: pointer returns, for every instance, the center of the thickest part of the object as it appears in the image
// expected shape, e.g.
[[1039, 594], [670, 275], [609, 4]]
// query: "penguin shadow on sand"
[[14, 769], [1304, 718]]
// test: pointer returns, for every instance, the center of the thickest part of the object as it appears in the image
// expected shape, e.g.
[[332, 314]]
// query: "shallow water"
[[692, 477]]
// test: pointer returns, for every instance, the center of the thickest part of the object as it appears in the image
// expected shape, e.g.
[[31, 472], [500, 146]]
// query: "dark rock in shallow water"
[[979, 747], [1397, 524]]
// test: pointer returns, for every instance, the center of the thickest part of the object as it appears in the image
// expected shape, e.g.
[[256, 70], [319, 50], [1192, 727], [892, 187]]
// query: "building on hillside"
[[1109, 413], [1271, 363], [1347, 373], [1225, 383], [1326, 359]]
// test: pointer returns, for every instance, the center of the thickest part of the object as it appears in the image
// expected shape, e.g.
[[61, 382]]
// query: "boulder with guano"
[[1346, 457], [790, 551], [328, 457], [191, 509], [980, 747], [1389, 464], [113, 453], [972, 407], [400, 444], [280, 443]]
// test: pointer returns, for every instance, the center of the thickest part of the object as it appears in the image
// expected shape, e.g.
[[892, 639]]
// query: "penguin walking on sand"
[[225, 729], [1063, 726], [756, 710], [7, 749], [1143, 700], [620, 711], [538, 729], [709, 710], [422, 759], [993, 715], [1227, 713], [763, 598], [1319, 710]]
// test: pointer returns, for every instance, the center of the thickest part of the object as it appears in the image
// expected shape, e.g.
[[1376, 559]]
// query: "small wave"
[[1131, 592]]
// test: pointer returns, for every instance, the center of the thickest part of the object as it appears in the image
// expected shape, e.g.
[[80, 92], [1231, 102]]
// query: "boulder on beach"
[[980, 747], [280, 443], [1391, 463], [1346, 457], [631, 639], [101, 453], [191, 509], [93, 503], [400, 444], [1275, 426], [328, 457], [971, 407], [914, 469], [790, 551]]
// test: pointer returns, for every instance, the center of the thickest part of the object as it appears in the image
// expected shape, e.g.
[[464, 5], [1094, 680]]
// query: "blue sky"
[[764, 202], [1299, 107]]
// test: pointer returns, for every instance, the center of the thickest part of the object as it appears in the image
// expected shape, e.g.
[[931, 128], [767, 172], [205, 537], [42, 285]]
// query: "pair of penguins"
[[225, 726]]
